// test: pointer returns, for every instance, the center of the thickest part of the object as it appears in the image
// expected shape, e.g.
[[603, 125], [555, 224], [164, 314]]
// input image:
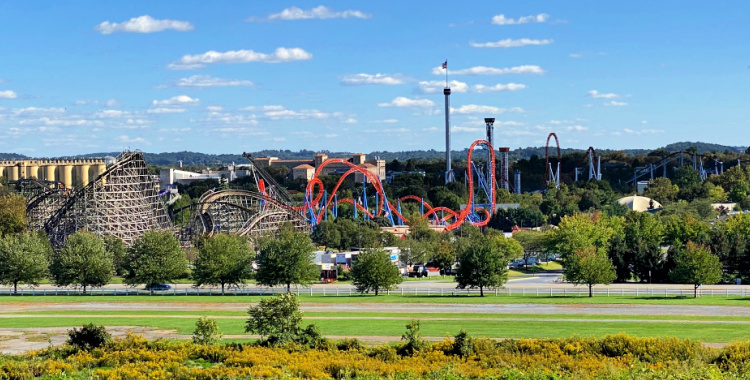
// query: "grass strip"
[[718, 333]]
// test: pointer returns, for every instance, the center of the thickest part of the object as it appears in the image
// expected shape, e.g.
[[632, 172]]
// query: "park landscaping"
[[462, 357]]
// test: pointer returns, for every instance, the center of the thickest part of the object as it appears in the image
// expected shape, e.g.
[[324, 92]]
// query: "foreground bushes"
[[611, 357]]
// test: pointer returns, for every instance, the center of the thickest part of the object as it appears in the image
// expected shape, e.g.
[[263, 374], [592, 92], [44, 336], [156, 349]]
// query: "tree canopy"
[[155, 257], [286, 259], [82, 261], [373, 271], [223, 260]]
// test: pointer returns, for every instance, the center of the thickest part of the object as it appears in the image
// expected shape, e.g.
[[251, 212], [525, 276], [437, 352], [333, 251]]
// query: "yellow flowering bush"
[[613, 357]]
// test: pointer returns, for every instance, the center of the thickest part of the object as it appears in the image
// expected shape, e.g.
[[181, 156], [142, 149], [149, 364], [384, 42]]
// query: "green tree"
[[223, 260], [661, 190], [12, 214], [24, 259], [327, 234], [482, 264], [413, 340], [374, 271], [82, 261], [206, 331], [443, 255], [696, 265], [579, 231], [119, 252], [155, 257], [643, 236], [534, 243], [286, 259], [589, 266], [277, 318]]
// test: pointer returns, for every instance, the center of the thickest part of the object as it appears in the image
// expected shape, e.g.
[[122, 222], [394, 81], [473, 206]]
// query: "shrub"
[[414, 342], [89, 337], [352, 344], [311, 337], [384, 353], [206, 331], [463, 345]]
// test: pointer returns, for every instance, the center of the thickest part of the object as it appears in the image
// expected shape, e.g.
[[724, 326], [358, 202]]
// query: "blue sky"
[[233, 76]]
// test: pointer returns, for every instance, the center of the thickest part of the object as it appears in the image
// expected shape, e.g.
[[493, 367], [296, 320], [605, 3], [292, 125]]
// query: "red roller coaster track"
[[315, 186]]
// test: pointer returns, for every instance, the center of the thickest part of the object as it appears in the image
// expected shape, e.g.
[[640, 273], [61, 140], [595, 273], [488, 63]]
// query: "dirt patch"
[[20, 340]]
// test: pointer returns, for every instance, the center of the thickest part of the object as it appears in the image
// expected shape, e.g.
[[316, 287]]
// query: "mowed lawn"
[[718, 329], [715, 332], [458, 298]]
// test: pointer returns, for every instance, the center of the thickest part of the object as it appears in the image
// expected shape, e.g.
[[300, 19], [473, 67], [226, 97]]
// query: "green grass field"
[[459, 298], [499, 328]]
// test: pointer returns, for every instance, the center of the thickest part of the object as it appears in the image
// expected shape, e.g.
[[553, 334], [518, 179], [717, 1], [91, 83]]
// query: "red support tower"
[[504, 165]]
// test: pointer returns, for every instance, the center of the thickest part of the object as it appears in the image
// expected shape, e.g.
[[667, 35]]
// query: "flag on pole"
[[445, 64]]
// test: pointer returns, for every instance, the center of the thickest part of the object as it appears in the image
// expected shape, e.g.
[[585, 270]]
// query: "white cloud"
[[460, 129], [473, 108], [110, 114], [320, 13], [431, 129], [351, 120], [578, 128], [281, 54], [209, 81], [484, 70], [502, 20], [131, 140], [112, 103], [498, 87], [330, 135], [644, 122], [575, 55], [143, 24], [508, 123], [387, 121], [176, 100], [37, 110], [597, 95], [510, 43], [166, 110], [363, 79], [215, 108], [436, 86], [396, 130], [616, 104], [406, 102], [642, 131], [8, 94]]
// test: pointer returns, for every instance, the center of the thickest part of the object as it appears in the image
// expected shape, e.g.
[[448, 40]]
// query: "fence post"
[[495, 292], [311, 291], [324, 291], [402, 291], [337, 291], [607, 292], [565, 292], [537, 292], [636, 292]]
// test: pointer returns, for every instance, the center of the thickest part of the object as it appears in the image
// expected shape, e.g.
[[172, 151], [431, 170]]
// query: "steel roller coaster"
[[480, 204]]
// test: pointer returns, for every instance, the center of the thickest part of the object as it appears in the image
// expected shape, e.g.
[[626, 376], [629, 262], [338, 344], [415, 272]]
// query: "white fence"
[[530, 292]]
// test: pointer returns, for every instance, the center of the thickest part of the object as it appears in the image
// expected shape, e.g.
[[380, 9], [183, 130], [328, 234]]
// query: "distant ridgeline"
[[194, 158]]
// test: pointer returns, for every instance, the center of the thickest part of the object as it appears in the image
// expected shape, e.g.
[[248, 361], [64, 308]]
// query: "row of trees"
[[599, 249]]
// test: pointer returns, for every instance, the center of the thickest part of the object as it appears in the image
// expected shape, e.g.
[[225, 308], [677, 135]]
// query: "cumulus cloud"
[[281, 54], [319, 12], [363, 79], [37, 110], [578, 128], [387, 121], [436, 86], [278, 112], [484, 70], [598, 95], [209, 81], [110, 114], [474, 109], [498, 87], [502, 20], [406, 102], [615, 104], [130, 140], [510, 43], [143, 24], [176, 100], [8, 94], [641, 132], [215, 108], [461, 129], [160, 110]]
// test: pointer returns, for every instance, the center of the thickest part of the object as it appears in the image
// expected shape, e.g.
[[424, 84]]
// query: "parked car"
[[158, 287], [418, 271]]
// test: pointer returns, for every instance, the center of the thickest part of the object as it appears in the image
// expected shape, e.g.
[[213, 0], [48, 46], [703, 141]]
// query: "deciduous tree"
[[82, 261], [12, 214], [277, 318], [23, 259], [589, 266], [286, 259], [374, 271], [155, 257], [223, 260], [696, 265], [482, 264]]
